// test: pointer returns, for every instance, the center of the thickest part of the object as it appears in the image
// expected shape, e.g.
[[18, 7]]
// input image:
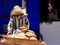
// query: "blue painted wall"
[[32, 10]]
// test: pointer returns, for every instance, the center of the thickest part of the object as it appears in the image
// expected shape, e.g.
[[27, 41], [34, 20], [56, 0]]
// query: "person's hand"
[[9, 32], [4, 36]]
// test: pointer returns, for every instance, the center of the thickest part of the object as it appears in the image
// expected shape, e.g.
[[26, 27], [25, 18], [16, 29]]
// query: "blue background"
[[32, 10]]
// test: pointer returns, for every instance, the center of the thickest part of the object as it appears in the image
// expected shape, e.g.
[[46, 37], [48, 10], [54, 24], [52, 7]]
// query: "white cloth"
[[24, 11]]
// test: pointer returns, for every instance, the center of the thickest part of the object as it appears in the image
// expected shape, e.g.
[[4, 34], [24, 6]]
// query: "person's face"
[[23, 29], [17, 14]]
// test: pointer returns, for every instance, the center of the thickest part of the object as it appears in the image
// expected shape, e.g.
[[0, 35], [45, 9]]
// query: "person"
[[18, 17], [23, 33], [52, 13]]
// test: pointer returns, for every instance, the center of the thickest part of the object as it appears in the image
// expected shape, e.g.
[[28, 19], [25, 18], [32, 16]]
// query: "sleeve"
[[27, 22], [10, 24]]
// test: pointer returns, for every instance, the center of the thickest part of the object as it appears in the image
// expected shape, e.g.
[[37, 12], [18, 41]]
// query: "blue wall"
[[32, 10]]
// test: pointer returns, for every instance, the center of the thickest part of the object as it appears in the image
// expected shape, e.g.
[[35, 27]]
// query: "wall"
[[51, 33], [32, 9]]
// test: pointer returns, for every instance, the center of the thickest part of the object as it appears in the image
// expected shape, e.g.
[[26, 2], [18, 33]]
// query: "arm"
[[10, 26]]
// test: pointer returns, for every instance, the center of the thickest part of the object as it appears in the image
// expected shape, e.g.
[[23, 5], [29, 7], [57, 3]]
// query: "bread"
[[29, 34], [33, 38], [19, 35]]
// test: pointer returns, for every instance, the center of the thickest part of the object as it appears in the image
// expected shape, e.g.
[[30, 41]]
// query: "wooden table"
[[16, 41], [21, 41]]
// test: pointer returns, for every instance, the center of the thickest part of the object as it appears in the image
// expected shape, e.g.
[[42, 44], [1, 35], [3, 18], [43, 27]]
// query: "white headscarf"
[[17, 8]]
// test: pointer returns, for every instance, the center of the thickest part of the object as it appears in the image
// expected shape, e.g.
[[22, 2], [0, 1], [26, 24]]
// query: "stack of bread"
[[31, 36], [21, 35]]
